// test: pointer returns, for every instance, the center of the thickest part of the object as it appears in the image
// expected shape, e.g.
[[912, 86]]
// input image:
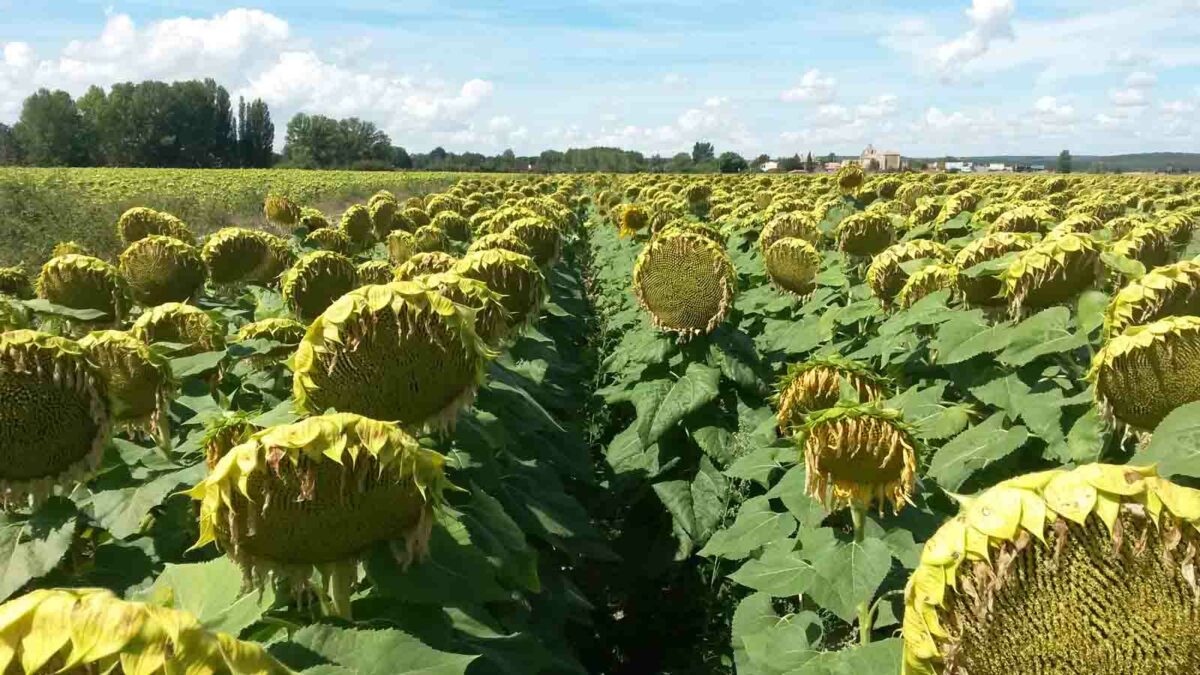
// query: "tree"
[[809, 164], [731, 162], [793, 163], [831, 158], [702, 152], [1064, 161], [312, 141], [680, 163], [225, 137], [256, 135], [400, 158], [51, 130], [10, 152], [760, 161]]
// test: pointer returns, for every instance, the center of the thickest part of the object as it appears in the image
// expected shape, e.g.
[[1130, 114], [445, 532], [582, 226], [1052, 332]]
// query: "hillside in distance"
[[1143, 161]]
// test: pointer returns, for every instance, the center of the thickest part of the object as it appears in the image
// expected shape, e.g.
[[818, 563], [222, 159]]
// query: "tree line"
[[193, 124], [189, 124]]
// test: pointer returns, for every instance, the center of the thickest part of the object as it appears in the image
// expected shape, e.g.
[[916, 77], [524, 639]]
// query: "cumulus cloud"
[[814, 87], [255, 54], [715, 120], [1128, 98], [990, 20]]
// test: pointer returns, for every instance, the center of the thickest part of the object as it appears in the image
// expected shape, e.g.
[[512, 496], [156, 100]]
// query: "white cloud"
[[1178, 107], [716, 120], [880, 106], [813, 88], [1141, 80], [1128, 98], [674, 80], [254, 53], [990, 20]]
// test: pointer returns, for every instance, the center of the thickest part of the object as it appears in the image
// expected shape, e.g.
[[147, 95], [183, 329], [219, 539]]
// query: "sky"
[[921, 77]]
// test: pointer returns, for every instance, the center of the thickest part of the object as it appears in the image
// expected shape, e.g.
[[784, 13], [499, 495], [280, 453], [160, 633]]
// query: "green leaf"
[[716, 442], [788, 644], [33, 546], [973, 450], [754, 615], [791, 491], [848, 575], [189, 366], [212, 592], [924, 409], [42, 306], [455, 571], [1086, 440], [758, 464], [780, 574], [123, 511], [1175, 445], [1133, 269], [883, 657], [966, 336], [378, 652], [697, 387], [284, 413], [791, 337], [756, 525], [1091, 308], [1047, 332], [710, 491]]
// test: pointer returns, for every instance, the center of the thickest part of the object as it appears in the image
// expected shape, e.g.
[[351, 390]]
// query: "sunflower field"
[[809, 425]]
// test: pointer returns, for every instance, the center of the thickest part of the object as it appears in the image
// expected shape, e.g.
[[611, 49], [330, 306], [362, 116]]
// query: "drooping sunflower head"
[[885, 276], [794, 224], [315, 281], [1147, 371], [55, 418], [69, 247], [864, 234], [90, 630], [849, 179], [13, 314], [1089, 570], [793, 265], [161, 269], [985, 289], [235, 255], [313, 219], [430, 238], [84, 282], [455, 225], [928, 279], [140, 222], [1147, 243], [224, 433], [280, 210], [706, 230], [926, 210], [392, 352], [1054, 270], [442, 203], [1164, 291], [329, 239], [401, 246], [817, 384], [501, 240], [181, 324], [686, 282], [412, 217], [374, 272], [492, 321], [356, 224], [14, 282], [431, 262], [631, 219], [542, 237], [287, 332], [517, 278], [382, 212], [859, 454], [1022, 218], [138, 381], [279, 257]]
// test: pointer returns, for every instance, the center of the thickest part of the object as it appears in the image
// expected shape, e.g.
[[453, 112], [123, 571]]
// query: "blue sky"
[[925, 78]]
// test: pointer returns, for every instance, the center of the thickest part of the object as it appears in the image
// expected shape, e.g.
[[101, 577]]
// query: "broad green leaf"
[[1175, 445], [378, 651], [791, 491], [687, 394], [788, 644], [778, 573], [974, 449], [42, 306], [881, 657], [1047, 332], [758, 464], [923, 408], [754, 614], [756, 525], [790, 337], [190, 366], [123, 511], [1091, 307], [284, 413], [676, 497], [212, 592], [716, 442], [848, 575], [455, 571], [710, 492], [1128, 267], [966, 336], [1086, 440], [32, 546]]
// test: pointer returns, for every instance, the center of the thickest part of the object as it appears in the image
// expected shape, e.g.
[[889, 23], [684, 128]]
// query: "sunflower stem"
[[341, 579], [858, 513]]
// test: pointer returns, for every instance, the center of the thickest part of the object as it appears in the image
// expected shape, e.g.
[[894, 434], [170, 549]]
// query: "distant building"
[[770, 166], [959, 167], [998, 167], [873, 160], [831, 167]]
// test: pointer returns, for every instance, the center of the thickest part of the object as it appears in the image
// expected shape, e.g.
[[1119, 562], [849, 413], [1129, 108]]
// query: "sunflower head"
[[1054, 270], [1163, 291], [55, 418], [313, 219], [816, 384], [180, 324], [1089, 570], [858, 455], [161, 269], [985, 289], [501, 240], [455, 225], [492, 321], [793, 265], [517, 278], [374, 272], [281, 211], [632, 219], [392, 352], [14, 282], [926, 280], [864, 234], [382, 212], [90, 630], [315, 281], [431, 262], [541, 236], [141, 222], [235, 255], [84, 282], [885, 276], [795, 224], [329, 239], [849, 179], [138, 381], [430, 238], [287, 332], [686, 282], [356, 224], [69, 247], [1147, 371]]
